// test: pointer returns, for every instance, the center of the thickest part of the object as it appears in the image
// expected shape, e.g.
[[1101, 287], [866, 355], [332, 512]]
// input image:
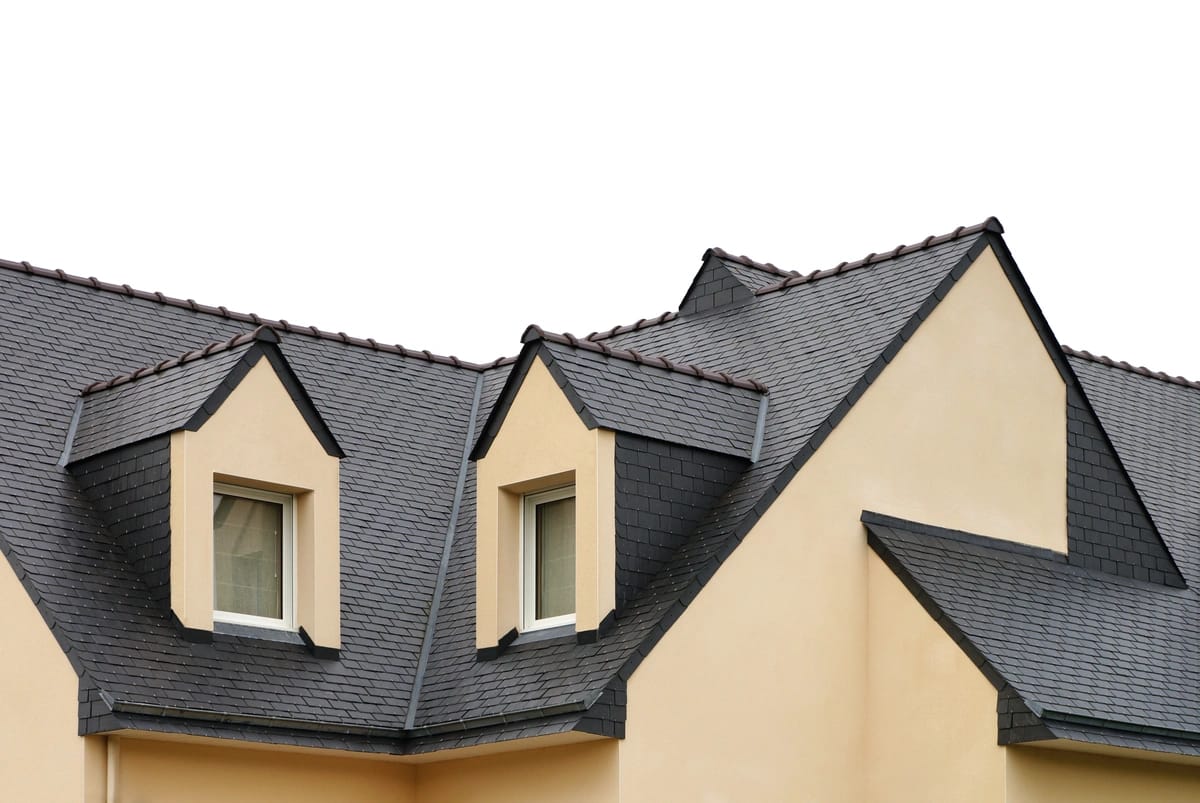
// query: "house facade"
[[867, 533]]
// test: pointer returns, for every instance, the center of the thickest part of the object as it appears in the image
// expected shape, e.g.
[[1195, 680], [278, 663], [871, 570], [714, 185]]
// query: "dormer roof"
[[180, 393], [654, 397]]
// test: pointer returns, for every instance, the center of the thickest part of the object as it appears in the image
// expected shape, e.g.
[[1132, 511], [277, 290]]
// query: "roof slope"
[[1078, 646]]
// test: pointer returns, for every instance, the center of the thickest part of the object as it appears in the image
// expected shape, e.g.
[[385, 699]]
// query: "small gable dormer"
[[725, 280], [217, 475], [592, 468]]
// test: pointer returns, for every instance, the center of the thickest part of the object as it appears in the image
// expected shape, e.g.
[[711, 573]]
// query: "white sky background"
[[443, 174]]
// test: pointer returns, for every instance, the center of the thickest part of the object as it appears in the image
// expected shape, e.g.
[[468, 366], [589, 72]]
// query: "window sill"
[[259, 633], [566, 631]]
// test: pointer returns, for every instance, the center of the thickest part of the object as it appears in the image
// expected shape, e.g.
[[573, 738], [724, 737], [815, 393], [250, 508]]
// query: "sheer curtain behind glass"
[[248, 556], [555, 555]]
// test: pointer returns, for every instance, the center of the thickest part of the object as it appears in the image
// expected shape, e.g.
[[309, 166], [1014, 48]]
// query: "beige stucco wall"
[[153, 771], [41, 756], [583, 773], [1038, 775], [931, 732], [543, 444], [769, 667], [256, 438]]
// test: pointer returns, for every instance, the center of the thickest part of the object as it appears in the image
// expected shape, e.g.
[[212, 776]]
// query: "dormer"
[[217, 475], [593, 466], [725, 280]]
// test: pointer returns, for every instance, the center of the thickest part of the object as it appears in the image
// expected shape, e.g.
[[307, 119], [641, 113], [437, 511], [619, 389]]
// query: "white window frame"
[[288, 502], [528, 584]]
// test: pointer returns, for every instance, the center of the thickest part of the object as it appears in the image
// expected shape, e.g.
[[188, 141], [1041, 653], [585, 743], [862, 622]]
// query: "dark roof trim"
[[505, 401], [870, 518], [1140, 370], [535, 333], [743, 527], [1052, 717], [72, 428], [759, 428], [439, 587], [262, 333], [270, 729], [280, 325]]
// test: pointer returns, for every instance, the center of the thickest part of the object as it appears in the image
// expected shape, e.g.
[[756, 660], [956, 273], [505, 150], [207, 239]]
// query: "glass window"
[[252, 556], [549, 558]]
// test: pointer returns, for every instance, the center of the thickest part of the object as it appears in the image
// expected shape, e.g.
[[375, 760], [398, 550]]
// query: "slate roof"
[[1088, 652], [408, 678], [117, 413], [645, 395]]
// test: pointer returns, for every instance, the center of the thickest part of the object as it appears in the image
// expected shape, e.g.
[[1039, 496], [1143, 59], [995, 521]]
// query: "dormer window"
[[253, 549], [242, 516], [548, 558]]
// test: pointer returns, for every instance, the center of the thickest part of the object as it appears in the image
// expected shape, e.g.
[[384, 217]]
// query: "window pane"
[[248, 556], [555, 555]]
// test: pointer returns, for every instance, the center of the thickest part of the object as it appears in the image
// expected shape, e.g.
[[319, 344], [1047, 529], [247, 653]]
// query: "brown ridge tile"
[[535, 332], [1140, 370], [191, 304]]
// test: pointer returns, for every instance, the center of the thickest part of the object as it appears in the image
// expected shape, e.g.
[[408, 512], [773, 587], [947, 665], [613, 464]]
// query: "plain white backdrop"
[[442, 174]]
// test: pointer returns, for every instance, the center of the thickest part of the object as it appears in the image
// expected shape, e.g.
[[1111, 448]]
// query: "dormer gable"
[[220, 479], [582, 426], [649, 396]]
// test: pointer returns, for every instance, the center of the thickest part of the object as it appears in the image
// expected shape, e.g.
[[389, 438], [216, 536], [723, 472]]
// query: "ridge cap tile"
[[261, 333], [791, 278], [24, 267], [1140, 370], [535, 333]]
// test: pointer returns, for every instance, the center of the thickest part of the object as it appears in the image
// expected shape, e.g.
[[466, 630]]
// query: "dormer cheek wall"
[[543, 444], [256, 439]]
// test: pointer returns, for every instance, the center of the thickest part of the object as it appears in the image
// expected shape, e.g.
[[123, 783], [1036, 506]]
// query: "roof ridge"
[[992, 224], [263, 333], [765, 267], [250, 317], [633, 327], [1140, 370], [535, 332], [793, 278]]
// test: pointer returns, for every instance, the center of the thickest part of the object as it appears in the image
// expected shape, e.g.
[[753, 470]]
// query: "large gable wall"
[[768, 667]]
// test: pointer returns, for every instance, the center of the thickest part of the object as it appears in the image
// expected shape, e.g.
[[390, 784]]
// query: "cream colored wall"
[[769, 667], [583, 773], [152, 771], [926, 704], [543, 444], [1038, 775], [257, 437], [42, 757]]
